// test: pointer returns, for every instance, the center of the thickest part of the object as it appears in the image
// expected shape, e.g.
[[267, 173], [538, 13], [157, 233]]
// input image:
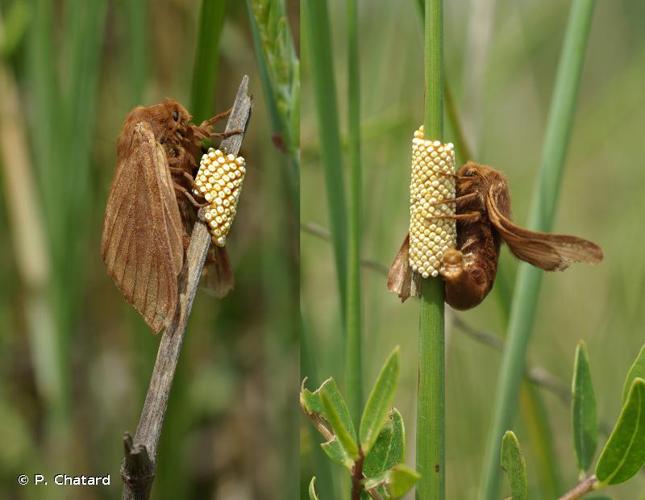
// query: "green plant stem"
[[45, 93], [353, 353], [531, 403], [316, 30], [137, 24], [285, 118], [211, 23], [541, 218], [430, 434]]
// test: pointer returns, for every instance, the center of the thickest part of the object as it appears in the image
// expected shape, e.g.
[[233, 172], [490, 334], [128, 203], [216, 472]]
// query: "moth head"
[[473, 176], [175, 115]]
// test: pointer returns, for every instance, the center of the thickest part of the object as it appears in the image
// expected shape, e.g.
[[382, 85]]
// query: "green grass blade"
[[541, 436], [136, 65], [83, 44], [379, 402], [316, 30], [541, 218], [513, 463], [202, 94], [624, 453], [583, 410], [137, 24], [45, 117], [430, 437], [279, 71], [353, 350]]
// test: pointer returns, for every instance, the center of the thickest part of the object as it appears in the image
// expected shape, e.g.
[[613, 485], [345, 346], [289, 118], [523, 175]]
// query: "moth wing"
[[551, 252], [219, 273], [141, 244], [400, 278]]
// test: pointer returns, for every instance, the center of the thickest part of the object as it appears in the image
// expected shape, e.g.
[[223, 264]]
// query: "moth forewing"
[[142, 244]]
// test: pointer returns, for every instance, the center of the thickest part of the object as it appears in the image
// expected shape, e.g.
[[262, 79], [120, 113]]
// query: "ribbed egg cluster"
[[219, 181], [432, 189]]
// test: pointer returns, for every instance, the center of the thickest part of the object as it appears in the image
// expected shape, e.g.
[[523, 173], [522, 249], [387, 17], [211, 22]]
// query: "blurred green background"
[[75, 359], [501, 58]]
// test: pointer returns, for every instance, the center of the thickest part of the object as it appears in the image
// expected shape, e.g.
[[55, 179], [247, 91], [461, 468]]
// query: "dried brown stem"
[[581, 489], [138, 466], [357, 476]]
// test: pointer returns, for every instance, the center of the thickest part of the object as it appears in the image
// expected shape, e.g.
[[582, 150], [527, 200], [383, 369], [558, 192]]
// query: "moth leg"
[[183, 173], [224, 135], [217, 117], [468, 216], [189, 196], [464, 197]]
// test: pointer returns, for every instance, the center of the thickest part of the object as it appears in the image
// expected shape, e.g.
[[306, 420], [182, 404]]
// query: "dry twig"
[[138, 467]]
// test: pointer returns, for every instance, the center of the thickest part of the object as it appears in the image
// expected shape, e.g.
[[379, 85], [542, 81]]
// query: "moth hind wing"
[[141, 244], [218, 272], [551, 252]]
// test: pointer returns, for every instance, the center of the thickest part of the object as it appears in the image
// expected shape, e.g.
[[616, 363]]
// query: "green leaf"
[[312, 489], [583, 410], [379, 402], [310, 402], [624, 452], [337, 414], [514, 465], [400, 480], [336, 453], [637, 370], [389, 448], [395, 482], [329, 420]]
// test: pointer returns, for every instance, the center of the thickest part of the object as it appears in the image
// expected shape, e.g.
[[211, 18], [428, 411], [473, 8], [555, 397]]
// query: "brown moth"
[[483, 211], [150, 212]]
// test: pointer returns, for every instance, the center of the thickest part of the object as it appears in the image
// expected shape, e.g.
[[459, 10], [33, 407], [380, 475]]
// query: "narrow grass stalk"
[[178, 420], [83, 43], [430, 436], [136, 64], [202, 95], [316, 31], [353, 352], [322, 466], [536, 420], [137, 25], [541, 218], [279, 71], [41, 74]]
